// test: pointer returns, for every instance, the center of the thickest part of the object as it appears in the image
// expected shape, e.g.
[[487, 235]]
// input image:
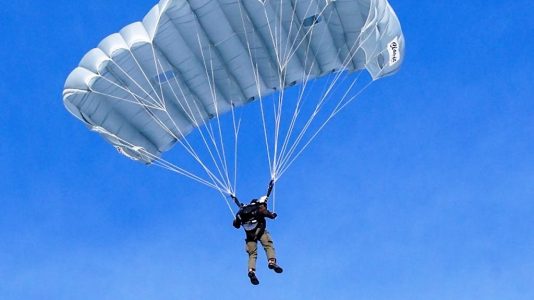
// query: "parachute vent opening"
[[310, 21]]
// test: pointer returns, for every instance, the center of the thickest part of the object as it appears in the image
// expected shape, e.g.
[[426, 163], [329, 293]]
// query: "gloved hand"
[[236, 223], [275, 215]]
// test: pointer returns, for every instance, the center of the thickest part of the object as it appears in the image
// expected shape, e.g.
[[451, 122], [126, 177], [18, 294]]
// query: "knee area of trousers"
[[252, 250]]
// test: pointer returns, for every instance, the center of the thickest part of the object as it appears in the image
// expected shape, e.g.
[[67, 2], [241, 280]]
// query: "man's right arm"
[[236, 223]]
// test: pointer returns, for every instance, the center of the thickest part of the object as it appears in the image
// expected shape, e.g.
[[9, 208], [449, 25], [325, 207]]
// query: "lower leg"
[[252, 251], [268, 245]]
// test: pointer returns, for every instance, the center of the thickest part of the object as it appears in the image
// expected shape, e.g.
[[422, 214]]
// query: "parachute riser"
[[268, 194]]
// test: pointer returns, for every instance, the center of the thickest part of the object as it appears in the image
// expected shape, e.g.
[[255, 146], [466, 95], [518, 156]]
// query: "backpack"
[[249, 212]]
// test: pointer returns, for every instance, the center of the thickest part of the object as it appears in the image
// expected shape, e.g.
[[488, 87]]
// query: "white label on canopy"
[[394, 51]]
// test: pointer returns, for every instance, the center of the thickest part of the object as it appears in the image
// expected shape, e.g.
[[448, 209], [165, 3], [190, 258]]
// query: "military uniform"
[[252, 218], [255, 229]]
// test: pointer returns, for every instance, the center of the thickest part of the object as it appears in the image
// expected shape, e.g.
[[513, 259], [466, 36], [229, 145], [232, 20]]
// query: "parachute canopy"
[[147, 87]]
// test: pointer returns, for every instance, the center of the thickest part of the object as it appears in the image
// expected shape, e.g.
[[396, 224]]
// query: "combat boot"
[[252, 275], [273, 266]]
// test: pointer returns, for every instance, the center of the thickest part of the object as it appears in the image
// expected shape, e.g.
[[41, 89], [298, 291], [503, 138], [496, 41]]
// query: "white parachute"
[[147, 87]]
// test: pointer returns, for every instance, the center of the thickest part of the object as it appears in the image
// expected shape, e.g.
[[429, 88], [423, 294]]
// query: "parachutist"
[[252, 218], [143, 125]]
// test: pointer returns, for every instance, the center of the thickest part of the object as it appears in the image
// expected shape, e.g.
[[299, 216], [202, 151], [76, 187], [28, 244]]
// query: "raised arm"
[[237, 220], [236, 223], [269, 214], [236, 201], [270, 189]]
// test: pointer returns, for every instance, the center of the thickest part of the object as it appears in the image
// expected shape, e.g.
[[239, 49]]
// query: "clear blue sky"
[[422, 189]]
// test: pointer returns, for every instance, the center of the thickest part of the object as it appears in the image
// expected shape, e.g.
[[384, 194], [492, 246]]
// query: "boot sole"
[[277, 269], [254, 280]]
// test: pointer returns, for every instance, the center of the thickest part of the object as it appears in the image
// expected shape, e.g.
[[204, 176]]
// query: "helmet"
[[262, 200]]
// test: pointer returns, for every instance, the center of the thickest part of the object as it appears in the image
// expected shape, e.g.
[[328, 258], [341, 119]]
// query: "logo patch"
[[394, 52]]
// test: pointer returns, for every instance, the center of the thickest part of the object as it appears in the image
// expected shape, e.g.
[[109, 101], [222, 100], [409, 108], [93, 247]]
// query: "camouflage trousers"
[[252, 249]]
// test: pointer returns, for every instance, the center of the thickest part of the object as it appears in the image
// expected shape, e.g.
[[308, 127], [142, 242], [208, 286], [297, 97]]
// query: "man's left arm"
[[267, 213]]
